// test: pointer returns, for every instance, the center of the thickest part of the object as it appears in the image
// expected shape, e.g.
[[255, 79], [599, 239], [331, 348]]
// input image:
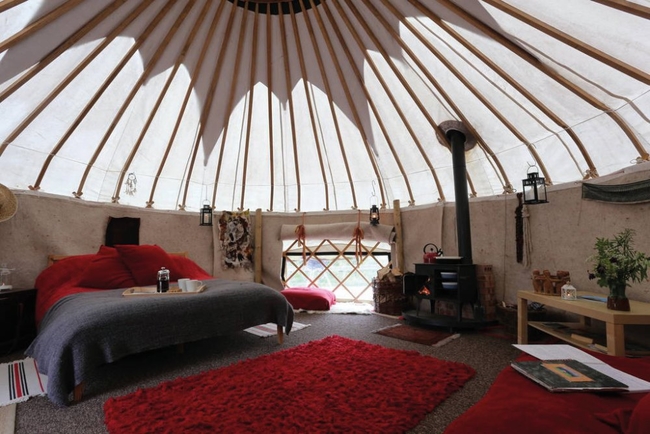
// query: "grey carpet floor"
[[488, 355]]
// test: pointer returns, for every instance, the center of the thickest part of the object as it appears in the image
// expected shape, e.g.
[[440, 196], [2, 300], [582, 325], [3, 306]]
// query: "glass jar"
[[5, 277], [163, 280]]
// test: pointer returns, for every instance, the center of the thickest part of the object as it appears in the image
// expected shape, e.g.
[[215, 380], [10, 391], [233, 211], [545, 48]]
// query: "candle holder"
[[569, 292]]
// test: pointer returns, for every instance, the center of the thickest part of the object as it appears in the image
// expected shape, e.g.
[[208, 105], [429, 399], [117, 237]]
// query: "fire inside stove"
[[425, 290]]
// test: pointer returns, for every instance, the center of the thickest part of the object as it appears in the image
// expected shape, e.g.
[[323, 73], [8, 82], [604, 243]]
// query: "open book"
[[564, 352], [568, 376]]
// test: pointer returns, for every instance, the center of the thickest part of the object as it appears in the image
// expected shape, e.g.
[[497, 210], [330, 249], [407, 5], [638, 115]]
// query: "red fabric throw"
[[85, 273], [59, 280], [515, 404], [330, 385]]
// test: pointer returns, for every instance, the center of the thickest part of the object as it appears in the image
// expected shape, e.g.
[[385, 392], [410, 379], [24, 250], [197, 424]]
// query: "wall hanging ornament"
[[236, 241], [130, 184]]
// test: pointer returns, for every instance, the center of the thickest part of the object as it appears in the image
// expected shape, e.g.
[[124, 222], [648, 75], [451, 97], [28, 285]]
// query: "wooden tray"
[[151, 290]]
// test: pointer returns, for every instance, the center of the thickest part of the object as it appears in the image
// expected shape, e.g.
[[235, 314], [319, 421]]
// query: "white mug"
[[193, 285], [182, 284]]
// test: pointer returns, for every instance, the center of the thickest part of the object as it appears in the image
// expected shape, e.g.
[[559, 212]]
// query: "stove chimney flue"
[[457, 140]]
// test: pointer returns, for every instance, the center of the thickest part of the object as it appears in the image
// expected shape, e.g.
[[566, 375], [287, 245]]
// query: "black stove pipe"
[[457, 141]]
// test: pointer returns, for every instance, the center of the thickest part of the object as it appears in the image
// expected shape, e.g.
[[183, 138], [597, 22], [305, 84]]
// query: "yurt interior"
[[472, 170]]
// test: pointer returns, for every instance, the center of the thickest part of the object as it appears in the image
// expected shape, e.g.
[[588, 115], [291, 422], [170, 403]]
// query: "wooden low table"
[[614, 320]]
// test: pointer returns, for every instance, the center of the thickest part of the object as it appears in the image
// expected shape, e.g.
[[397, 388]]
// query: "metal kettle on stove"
[[431, 252]]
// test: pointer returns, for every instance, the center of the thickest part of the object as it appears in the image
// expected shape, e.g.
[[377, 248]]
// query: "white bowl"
[[449, 285], [448, 275]]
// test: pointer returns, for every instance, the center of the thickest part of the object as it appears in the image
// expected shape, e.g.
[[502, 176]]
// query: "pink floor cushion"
[[310, 298]]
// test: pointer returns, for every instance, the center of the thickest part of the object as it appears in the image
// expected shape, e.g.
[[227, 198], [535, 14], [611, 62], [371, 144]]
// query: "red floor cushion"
[[515, 404], [310, 298]]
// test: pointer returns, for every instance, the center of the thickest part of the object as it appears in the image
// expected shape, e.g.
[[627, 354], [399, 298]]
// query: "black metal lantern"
[[534, 187], [374, 215], [206, 215]]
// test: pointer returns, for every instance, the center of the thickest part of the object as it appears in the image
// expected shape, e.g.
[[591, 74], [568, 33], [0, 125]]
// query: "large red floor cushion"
[[310, 298]]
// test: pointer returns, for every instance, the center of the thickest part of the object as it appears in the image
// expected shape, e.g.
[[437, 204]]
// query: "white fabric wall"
[[563, 233]]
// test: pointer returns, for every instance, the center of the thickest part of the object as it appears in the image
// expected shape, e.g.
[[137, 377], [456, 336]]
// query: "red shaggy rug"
[[327, 386]]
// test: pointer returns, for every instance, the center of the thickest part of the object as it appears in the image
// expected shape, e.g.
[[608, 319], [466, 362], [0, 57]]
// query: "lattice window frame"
[[299, 256]]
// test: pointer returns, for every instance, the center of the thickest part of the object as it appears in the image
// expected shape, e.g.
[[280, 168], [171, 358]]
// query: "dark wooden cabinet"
[[453, 283], [17, 324]]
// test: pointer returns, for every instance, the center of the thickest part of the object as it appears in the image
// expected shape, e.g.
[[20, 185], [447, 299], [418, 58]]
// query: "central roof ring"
[[273, 6]]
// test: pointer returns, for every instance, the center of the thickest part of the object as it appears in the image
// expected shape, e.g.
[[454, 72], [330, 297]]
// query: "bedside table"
[[17, 324]]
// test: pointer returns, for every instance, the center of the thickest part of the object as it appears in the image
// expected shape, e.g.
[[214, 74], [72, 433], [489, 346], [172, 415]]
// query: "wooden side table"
[[614, 320], [17, 323]]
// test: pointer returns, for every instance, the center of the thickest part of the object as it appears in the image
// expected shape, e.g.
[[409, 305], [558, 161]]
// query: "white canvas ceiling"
[[316, 105]]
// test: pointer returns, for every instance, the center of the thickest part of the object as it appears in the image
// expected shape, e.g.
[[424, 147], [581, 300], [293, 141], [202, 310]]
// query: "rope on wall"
[[358, 236], [300, 235], [519, 230], [528, 240]]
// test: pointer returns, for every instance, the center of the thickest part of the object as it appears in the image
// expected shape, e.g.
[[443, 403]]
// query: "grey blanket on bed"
[[84, 331]]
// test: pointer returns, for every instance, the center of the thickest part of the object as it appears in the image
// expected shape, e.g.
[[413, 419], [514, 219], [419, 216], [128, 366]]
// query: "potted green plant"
[[615, 264]]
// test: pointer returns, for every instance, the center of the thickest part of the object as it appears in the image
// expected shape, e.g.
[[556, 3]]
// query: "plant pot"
[[616, 300]]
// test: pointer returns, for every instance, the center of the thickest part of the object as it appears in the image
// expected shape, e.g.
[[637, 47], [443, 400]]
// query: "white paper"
[[562, 351]]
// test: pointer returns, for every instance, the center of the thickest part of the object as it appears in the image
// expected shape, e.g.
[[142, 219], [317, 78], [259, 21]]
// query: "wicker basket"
[[388, 296], [546, 283]]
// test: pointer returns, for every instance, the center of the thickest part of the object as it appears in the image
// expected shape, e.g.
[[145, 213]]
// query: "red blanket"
[[515, 404], [110, 268]]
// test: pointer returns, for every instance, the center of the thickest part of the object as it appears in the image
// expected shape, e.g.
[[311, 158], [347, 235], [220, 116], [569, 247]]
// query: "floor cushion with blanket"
[[516, 404], [310, 298]]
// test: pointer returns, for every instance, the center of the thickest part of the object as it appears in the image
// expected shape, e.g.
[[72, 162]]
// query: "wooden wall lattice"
[[335, 267]]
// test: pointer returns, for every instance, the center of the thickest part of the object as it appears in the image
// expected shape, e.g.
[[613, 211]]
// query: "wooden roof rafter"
[[292, 116], [39, 24], [370, 101], [503, 74], [342, 79], [188, 92], [100, 91], [305, 81], [328, 91], [207, 105], [432, 122], [8, 4], [582, 93]]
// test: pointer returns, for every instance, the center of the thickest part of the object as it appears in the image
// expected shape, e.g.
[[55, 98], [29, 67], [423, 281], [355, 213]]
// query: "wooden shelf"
[[582, 336], [613, 335]]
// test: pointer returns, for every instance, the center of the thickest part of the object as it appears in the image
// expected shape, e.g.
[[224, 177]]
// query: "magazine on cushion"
[[568, 376]]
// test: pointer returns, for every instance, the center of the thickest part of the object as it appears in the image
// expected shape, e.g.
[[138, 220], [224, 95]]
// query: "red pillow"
[[144, 262], [309, 298], [62, 272], [185, 267], [106, 271]]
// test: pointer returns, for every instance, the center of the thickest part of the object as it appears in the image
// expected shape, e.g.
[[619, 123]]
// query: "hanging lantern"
[[206, 215], [534, 187], [374, 209], [374, 215]]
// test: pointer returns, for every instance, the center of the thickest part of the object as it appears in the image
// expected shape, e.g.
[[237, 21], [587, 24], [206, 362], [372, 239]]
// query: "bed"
[[84, 319]]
